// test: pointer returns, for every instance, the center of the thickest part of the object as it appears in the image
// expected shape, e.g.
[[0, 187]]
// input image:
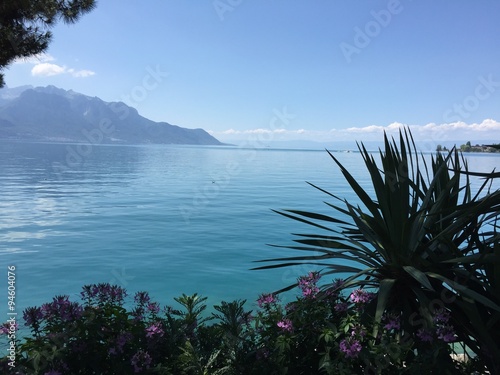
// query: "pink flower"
[[350, 347], [360, 296], [266, 299], [285, 325], [154, 330], [308, 284], [8, 327]]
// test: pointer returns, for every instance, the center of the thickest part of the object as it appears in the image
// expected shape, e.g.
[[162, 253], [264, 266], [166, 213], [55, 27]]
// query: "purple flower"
[[310, 292], [392, 322], [341, 307], [60, 308], [141, 361], [446, 333], [103, 293], [88, 292], [8, 327], [122, 339], [52, 372], [154, 330], [266, 299], [311, 278], [32, 316], [285, 325], [308, 284], [361, 296], [138, 313], [142, 298], [424, 335], [153, 307], [337, 284], [350, 347]]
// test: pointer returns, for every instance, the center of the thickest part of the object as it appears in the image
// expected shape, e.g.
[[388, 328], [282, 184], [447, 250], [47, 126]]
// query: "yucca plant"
[[424, 239]]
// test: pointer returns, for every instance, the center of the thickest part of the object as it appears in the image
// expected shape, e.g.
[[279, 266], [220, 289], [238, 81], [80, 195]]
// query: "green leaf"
[[419, 276], [384, 292], [467, 292]]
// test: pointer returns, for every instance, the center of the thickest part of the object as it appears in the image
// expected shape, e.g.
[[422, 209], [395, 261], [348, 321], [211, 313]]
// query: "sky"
[[262, 71]]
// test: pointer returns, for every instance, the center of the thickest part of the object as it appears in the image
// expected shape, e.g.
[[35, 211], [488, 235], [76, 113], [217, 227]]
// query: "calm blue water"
[[166, 219]]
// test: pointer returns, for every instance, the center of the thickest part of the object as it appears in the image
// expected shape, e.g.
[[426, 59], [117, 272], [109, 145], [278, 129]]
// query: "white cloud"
[[48, 70], [230, 131], [258, 131], [454, 130], [81, 73], [431, 133], [44, 66], [366, 129]]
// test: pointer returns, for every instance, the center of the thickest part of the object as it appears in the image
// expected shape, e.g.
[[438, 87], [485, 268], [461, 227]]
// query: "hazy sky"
[[282, 69]]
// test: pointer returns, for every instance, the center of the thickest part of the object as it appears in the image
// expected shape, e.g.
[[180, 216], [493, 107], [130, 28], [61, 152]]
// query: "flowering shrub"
[[322, 331]]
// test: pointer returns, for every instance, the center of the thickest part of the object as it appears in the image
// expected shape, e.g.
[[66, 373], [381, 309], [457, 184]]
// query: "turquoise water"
[[166, 219]]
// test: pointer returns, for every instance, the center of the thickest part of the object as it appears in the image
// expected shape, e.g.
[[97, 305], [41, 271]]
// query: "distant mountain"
[[53, 114]]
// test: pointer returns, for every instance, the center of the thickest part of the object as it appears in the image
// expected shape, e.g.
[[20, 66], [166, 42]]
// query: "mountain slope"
[[53, 114]]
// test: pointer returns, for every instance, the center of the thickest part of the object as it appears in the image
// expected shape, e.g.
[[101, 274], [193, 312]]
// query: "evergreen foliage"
[[25, 24]]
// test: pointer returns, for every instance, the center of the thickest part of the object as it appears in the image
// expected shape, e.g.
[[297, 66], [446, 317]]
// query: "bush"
[[322, 331]]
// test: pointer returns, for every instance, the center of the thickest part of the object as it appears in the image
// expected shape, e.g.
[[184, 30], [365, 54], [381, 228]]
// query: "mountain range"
[[52, 114]]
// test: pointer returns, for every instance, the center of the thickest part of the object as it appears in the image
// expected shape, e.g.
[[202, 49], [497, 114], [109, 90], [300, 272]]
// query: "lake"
[[161, 218]]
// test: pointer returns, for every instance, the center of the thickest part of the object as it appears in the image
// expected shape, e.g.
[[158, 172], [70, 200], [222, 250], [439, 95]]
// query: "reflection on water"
[[37, 197], [167, 219]]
